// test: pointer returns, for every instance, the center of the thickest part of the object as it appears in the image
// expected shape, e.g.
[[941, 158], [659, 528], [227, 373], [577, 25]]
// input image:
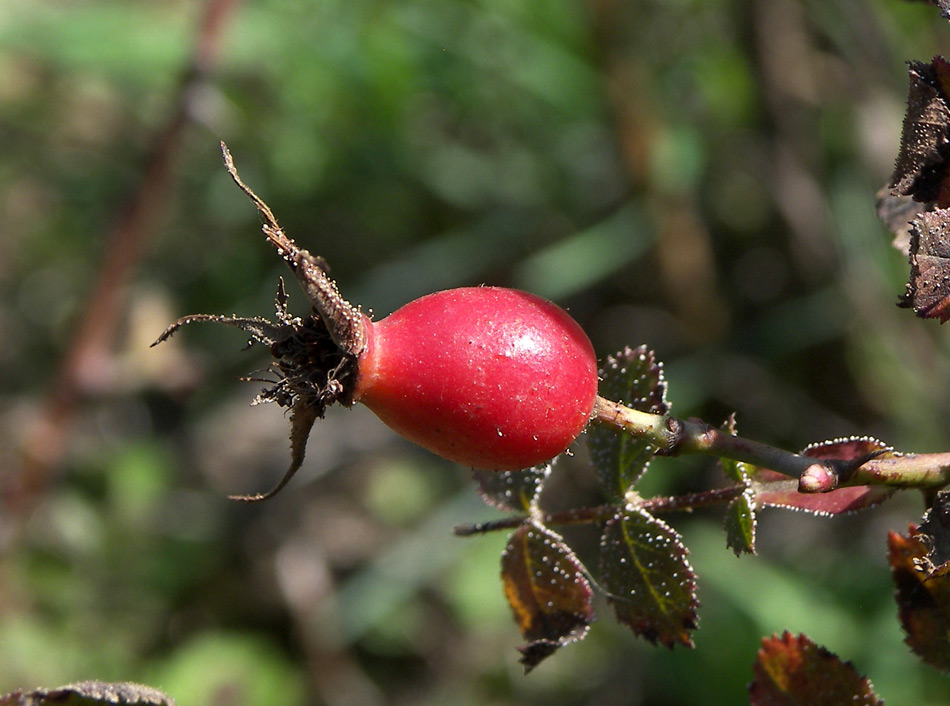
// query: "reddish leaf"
[[634, 378], [778, 490], [516, 491], [648, 580], [922, 163], [740, 523], [928, 289], [794, 671], [548, 591], [921, 575], [850, 448]]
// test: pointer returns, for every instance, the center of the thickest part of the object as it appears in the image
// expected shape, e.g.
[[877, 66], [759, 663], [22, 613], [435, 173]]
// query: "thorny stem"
[[674, 436]]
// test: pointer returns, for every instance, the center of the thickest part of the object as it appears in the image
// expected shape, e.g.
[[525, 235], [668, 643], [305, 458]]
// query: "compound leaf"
[[648, 580], [633, 378], [794, 671], [547, 588]]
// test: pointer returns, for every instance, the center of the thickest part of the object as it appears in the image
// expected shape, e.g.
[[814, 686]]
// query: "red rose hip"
[[488, 377]]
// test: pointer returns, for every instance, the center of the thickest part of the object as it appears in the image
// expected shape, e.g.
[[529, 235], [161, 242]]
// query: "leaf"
[[794, 671], [897, 212], [740, 523], [648, 580], [928, 288], [516, 491], [921, 168], [633, 378], [778, 490], [921, 576], [90, 693], [935, 525], [548, 591]]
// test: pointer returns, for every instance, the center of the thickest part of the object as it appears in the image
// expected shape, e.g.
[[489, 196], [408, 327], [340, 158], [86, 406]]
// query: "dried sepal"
[[315, 358], [344, 322]]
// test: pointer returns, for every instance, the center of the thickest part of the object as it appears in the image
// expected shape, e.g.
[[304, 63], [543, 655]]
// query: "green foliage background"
[[698, 175]]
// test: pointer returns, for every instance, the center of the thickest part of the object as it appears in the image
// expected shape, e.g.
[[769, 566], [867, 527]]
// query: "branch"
[[674, 436], [602, 513], [85, 364]]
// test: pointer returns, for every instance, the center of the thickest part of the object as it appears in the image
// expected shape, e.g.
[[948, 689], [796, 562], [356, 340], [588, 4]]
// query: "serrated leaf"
[[90, 693], [516, 491], [633, 378], [794, 671], [778, 490], [921, 576], [928, 287], [921, 168], [649, 582], [548, 591], [740, 523]]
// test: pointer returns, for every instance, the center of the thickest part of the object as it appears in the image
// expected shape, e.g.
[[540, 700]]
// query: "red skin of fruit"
[[488, 377]]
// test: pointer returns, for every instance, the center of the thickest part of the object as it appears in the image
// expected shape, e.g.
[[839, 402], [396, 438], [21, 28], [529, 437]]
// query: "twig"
[[675, 436], [90, 349]]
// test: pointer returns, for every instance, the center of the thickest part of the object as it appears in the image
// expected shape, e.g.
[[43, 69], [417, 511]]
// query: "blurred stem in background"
[[87, 362]]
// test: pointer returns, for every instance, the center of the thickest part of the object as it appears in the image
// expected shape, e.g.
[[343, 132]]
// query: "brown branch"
[[85, 365]]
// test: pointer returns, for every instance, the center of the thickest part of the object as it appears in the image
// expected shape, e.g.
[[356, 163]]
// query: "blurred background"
[[697, 175]]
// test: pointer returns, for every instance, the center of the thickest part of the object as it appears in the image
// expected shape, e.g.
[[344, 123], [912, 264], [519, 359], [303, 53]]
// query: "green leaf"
[[794, 671], [633, 378], [516, 491], [649, 581], [548, 591], [740, 523], [90, 693]]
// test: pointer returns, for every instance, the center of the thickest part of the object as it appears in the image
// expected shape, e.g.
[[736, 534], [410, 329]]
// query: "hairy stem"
[[676, 436], [602, 513]]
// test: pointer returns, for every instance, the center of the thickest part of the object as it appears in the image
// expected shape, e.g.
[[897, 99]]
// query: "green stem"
[[676, 436]]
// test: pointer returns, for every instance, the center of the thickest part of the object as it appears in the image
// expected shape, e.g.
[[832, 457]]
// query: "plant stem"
[[602, 513], [674, 436]]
